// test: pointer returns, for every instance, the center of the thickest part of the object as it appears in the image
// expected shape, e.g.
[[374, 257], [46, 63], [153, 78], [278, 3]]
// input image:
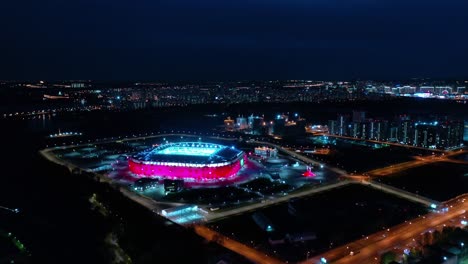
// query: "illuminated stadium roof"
[[189, 152]]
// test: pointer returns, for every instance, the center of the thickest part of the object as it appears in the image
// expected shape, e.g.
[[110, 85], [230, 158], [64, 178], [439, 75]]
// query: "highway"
[[369, 249]]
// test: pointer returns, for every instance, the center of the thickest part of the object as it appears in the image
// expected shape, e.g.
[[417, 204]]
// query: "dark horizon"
[[245, 40], [195, 81]]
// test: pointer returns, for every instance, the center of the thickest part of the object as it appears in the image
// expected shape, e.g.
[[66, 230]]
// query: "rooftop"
[[189, 152]]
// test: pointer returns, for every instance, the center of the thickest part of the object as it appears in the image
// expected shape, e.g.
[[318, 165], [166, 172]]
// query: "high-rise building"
[[377, 130], [425, 135], [450, 134], [406, 131], [354, 130], [393, 133], [332, 127], [446, 134], [342, 125], [363, 128], [440, 135]]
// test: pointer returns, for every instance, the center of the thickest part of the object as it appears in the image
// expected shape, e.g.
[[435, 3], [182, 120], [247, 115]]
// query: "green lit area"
[[190, 149], [11, 246]]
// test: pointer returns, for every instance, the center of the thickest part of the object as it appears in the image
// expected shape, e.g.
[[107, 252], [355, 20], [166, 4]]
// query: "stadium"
[[188, 161]]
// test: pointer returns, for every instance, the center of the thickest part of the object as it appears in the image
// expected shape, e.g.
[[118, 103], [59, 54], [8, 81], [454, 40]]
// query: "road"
[[419, 161], [214, 216], [367, 180], [401, 193], [246, 251], [369, 249], [147, 202]]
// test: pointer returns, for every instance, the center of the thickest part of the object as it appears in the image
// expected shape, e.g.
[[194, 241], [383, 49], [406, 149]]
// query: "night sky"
[[233, 39]]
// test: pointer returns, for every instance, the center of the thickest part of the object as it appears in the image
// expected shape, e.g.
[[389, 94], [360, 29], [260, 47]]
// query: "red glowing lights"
[[204, 173]]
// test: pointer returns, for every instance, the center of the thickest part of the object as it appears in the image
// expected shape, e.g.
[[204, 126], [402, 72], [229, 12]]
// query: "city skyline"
[[232, 132]]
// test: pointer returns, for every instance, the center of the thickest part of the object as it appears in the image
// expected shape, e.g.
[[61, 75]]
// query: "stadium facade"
[[189, 161]]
